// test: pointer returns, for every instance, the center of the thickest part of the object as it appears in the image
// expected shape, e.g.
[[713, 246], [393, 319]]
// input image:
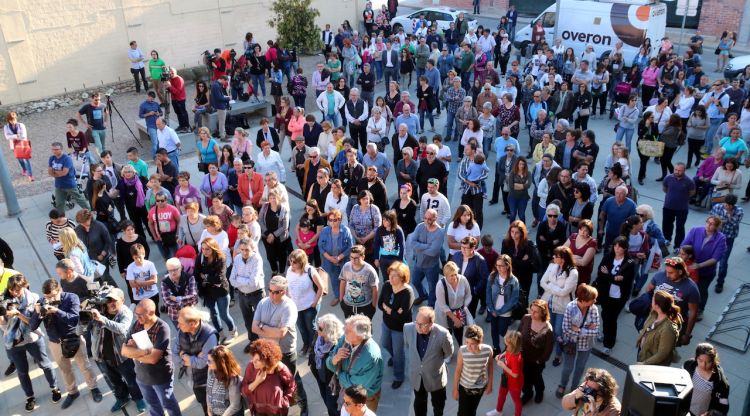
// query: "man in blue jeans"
[[716, 102], [731, 216], [426, 242], [150, 111], [154, 371], [454, 99], [96, 119]]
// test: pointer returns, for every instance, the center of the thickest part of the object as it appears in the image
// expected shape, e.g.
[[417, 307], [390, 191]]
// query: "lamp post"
[[11, 200]]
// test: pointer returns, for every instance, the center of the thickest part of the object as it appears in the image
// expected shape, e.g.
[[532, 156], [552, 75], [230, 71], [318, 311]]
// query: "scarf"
[[136, 182], [321, 348]]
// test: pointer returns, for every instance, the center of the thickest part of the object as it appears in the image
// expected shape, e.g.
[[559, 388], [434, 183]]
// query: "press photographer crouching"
[[19, 339], [59, 311], [596, 396], [110, 322]]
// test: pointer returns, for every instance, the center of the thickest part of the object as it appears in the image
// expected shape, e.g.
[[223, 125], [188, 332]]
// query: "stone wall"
[[51, 47]]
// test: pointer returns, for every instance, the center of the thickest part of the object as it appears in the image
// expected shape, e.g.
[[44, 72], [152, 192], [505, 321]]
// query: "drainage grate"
[[731, 329]]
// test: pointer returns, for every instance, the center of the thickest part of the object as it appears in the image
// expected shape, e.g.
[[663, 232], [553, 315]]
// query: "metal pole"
[[682, 28], [557, 18], [11, 200]]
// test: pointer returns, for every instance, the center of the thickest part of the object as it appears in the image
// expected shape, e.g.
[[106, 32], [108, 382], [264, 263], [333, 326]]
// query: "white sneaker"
[[493, 412]]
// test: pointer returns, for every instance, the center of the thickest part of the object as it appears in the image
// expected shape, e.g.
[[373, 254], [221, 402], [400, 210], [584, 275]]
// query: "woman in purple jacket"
[[709, 245]]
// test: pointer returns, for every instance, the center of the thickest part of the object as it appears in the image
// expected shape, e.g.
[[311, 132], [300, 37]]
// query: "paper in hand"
[[142, 340]]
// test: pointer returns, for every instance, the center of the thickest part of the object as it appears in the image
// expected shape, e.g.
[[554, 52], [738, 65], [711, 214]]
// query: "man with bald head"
[[154, 372], [614, 212]]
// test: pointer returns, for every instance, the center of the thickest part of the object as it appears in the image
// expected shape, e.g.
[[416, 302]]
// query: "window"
[[548, 20]]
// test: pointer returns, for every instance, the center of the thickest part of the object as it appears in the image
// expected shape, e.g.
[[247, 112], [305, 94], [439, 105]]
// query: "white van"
[[601, 24]]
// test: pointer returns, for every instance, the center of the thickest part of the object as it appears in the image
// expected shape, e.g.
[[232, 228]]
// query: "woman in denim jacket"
[[502, 283], [335, 242]]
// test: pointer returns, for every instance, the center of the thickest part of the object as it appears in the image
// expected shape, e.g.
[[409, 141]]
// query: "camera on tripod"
[[166, 74], [97, 301]]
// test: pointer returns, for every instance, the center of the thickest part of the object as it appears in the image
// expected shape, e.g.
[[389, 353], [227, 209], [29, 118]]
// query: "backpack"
[[322, 277]]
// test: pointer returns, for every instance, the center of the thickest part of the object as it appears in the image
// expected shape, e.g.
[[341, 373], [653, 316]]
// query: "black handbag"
[[69, 347]]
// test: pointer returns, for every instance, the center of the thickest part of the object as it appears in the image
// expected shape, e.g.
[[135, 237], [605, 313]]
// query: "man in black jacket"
[[267, 133], [564, 102], [97, 239], [350, 175], [371, 182], [402, 139], [431, 167], [502, 168]]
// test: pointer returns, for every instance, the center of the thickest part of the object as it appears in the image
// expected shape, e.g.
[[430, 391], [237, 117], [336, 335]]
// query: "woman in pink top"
[[705, 172], [650, 82], [297, 123]]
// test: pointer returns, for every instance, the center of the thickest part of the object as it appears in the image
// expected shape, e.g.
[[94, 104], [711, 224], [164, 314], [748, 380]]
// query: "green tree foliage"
[[294, 21]]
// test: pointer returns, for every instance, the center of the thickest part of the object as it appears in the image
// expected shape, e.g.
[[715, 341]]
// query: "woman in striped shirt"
[[473, 375]]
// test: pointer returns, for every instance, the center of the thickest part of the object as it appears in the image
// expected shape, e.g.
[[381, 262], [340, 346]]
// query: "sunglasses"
[[551, 215]]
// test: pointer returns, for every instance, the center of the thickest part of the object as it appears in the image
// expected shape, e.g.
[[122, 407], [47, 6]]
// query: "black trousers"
[[290, 360], [276, 253], [642, 168], [666, 160], [121, 379], [248, 304], [694, 149], [468, 403], [532, 378], [200, 397], [611, 309], [142, 73], [420, 401], [367, 310], [359, 135], [182, 115], [476, 203]]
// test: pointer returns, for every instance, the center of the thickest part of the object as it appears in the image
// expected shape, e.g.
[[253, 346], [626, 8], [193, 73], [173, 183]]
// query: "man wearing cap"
[[250, 185], [108, 331]]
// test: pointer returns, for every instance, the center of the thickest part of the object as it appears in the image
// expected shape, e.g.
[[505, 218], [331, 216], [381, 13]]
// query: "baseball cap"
[[116, 293], [433, 181]]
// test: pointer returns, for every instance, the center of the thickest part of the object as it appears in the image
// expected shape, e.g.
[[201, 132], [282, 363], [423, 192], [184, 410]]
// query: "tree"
[[294, 21]]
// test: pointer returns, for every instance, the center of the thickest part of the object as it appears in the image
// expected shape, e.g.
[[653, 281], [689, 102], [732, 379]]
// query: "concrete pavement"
[[34, 258]]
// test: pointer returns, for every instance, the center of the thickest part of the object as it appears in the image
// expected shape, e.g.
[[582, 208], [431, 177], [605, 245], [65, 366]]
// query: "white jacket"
[[322, 101], [559, 287]]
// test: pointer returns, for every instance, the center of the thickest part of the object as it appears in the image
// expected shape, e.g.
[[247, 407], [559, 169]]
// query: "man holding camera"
[[196, 339], [19, 339], [220, 102], [59, 311], [176, 87], [109, 329], [597, 395]]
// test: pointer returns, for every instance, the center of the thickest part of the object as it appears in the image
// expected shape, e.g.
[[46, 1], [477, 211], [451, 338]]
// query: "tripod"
[[167, 103], [111, 106]]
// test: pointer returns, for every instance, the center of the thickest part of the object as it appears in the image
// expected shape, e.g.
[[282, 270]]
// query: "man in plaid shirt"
[[454, 99], [472, 192], [178, 289], [731, 217]]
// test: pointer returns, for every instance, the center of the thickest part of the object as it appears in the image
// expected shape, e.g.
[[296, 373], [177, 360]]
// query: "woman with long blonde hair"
[[74, 249]]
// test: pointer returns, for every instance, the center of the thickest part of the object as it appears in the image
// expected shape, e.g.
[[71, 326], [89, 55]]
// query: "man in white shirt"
[[137, 58], [582, 76], [487, 43], [437, 201], [248, 278], [327, 38], [168, 139], [329, 103]]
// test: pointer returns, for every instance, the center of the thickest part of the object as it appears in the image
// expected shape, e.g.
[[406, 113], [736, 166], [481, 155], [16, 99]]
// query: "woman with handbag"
[[102, 205], [208, 149], [503, 294], [617, 272], [559, 282], [583, 100], [215, 183], [726, 180], [648, 131], [15, 133], [672, 137], [452, 296], [329, 330], [581, 324]]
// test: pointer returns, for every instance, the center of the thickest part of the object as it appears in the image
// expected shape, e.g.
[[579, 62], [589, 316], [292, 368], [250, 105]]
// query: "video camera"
[[97, 301], [166, 75]]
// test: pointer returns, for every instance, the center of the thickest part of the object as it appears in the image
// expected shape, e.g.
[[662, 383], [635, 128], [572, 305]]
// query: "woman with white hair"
[[377, 128], [561, 128], [488, 124], [329, 330]]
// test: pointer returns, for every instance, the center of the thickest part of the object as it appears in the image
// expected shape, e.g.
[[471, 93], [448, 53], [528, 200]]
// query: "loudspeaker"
[[656, 390]]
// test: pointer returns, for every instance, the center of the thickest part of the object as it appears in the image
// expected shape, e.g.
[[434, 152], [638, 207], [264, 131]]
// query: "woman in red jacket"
[[268, 385]]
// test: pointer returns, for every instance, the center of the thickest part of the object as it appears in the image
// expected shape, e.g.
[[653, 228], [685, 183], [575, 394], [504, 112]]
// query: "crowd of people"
[[431, 270]]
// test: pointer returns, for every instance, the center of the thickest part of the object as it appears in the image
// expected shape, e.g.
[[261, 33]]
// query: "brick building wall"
[[720, 15]]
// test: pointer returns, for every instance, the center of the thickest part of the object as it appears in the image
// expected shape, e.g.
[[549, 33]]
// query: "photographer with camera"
[[176, 86], [220, 102], [596, 396], [196, 339], [109, 328], [59, 311], [16, 308], [216, 63]]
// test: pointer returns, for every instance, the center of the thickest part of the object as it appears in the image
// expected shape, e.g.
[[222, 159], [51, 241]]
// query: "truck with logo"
[[601, 24]]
